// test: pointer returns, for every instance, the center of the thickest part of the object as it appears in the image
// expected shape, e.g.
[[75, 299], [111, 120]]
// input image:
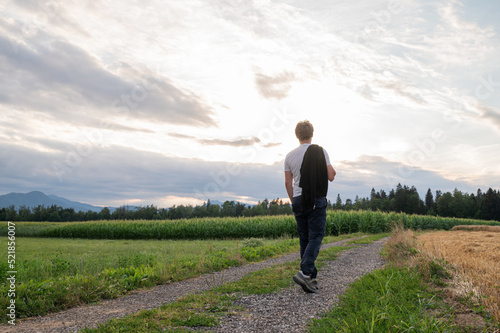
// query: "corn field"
[[338, 222]]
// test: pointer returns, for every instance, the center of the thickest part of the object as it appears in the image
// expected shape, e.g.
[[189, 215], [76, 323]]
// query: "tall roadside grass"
[[401, 246], [338, 222]]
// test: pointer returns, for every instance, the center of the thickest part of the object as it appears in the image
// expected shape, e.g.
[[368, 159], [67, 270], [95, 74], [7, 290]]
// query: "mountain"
[[77, 206], [37, 198]]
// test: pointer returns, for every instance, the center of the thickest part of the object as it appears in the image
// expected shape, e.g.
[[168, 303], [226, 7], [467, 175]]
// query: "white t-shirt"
[[293, 162]]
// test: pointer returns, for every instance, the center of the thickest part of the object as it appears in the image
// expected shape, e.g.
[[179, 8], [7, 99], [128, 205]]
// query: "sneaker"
[[305, 282]]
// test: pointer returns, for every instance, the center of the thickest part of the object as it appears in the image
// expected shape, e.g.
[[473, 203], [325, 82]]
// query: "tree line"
[[207, 209], [405, 199]]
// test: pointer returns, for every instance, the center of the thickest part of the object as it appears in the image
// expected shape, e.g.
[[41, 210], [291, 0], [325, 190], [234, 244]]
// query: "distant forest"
[[484, 206]]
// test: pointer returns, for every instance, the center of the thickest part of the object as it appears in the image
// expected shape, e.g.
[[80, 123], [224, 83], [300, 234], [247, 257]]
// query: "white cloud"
[[457, 41], [276, 87], [66, 82], [219, 72], [490, 114], [241, 142]]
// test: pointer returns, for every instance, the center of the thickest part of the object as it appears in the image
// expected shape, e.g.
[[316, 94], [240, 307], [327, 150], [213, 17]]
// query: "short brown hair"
[[304, 130]]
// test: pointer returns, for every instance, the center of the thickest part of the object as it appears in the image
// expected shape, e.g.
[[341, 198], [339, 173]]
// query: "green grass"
[[39, 259], [193, 310], [55, 274], [387, 300], [368, 239]]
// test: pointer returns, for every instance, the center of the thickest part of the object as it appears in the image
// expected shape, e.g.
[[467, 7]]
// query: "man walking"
[[307, 171]]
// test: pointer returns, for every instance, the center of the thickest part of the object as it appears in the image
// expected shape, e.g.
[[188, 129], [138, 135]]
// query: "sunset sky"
[[174, 102]]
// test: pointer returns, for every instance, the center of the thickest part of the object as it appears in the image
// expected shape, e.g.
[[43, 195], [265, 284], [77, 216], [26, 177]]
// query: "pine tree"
[[429, 200], [338, 203]]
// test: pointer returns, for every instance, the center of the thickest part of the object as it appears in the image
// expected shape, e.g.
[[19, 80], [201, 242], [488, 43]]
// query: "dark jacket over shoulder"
[[313, 176]]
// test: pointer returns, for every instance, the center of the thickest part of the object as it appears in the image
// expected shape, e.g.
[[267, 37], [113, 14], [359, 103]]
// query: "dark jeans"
[[311, 227]]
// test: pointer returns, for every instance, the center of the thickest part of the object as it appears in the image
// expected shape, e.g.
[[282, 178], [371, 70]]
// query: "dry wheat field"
[[475, 252]]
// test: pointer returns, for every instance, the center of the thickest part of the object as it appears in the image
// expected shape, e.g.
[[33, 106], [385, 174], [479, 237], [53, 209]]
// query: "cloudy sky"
[[173, 102]]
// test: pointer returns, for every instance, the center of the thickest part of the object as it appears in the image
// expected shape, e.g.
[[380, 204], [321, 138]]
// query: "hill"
[[36, 198]]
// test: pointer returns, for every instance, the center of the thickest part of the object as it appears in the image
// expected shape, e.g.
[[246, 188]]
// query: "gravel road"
[[292, 309], [287, 311]]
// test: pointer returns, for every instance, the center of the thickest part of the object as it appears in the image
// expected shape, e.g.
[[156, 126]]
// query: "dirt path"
[[292, 309], [282, 312]]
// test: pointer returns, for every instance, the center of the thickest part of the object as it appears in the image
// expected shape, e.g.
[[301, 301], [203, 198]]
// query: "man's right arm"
[[331, 172], [289, 184]]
